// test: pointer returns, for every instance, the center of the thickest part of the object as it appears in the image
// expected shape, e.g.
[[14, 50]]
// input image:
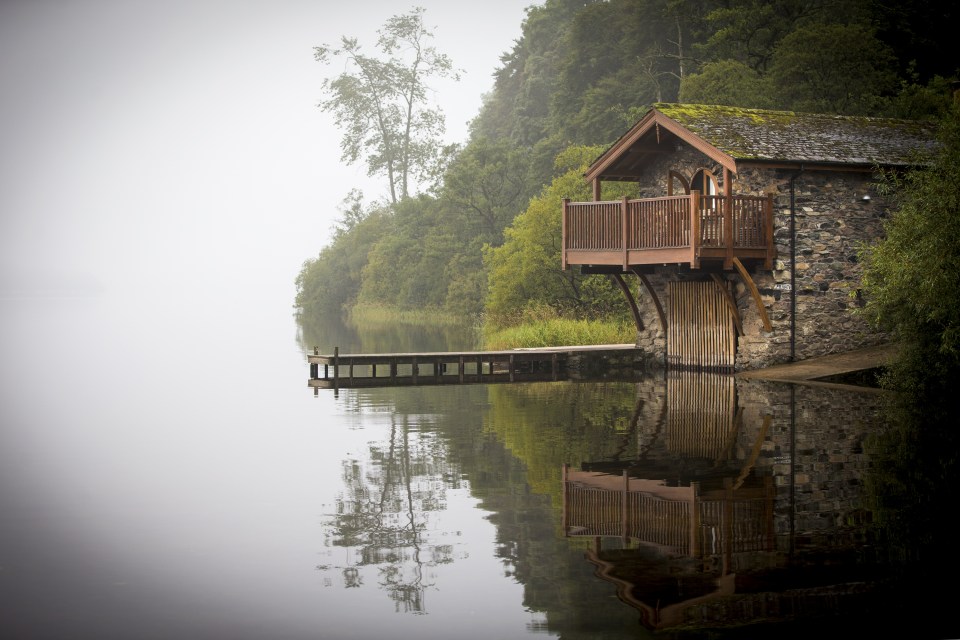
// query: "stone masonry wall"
[[814, 449], [831, 222]]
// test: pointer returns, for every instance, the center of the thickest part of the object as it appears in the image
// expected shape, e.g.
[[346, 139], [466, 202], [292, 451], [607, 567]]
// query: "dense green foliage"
[[524, 271], [912, 276], [486, 239]]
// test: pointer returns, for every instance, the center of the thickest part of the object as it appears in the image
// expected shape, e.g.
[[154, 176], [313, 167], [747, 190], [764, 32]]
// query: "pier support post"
[[336, 367]]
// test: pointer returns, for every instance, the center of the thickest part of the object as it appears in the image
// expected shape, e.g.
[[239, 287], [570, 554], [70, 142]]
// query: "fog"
[[176, 148]]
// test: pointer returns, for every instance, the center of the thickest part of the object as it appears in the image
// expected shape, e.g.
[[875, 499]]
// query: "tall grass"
[[556, 332], [535, 326]]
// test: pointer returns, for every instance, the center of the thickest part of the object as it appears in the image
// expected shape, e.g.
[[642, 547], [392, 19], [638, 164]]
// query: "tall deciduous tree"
[[381, 103]]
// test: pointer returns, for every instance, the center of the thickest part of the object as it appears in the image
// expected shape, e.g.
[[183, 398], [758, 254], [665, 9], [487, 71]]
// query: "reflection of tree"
[[380, 336], [383, 515]]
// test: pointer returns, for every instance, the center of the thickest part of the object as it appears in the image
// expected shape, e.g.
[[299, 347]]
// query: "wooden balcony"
[[689, 229]]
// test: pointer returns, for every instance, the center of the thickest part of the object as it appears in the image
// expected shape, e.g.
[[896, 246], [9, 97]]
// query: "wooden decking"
[[687, 229], [341, 371]]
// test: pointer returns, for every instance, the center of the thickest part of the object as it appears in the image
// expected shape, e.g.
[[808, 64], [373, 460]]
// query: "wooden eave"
[[622, 160], [795, 165]]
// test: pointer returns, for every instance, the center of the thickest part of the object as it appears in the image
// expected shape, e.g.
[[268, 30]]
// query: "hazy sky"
[[176, 146]]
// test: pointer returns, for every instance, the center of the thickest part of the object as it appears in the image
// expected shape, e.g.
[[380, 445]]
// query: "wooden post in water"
[[314, 367], [336, 367]]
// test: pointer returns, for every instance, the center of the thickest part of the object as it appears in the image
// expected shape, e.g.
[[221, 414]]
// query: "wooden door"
[[701, 331]]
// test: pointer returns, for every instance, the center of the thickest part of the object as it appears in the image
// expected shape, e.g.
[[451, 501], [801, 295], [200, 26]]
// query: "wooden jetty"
[[342, 371]]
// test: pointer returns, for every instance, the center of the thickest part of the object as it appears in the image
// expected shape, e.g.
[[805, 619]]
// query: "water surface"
[[165, 472]]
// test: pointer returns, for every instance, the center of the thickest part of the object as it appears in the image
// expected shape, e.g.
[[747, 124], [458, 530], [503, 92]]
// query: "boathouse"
[[742, 248]]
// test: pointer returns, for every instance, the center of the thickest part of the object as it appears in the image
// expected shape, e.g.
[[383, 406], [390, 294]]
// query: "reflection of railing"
[[682, 519]]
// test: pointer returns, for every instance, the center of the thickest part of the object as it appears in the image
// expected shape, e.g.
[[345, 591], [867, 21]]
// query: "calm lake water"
[[165, 472]]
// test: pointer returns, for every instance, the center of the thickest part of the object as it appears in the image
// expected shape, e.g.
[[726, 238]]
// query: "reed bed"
[[557, 332]]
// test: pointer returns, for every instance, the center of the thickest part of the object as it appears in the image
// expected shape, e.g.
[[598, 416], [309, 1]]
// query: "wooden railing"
[[687, 521], [684, 228]]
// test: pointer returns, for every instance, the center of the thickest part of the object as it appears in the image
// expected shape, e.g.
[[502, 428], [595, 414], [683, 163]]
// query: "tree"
[[912, 276], [331, 282], [381, 104], [750, 30], [487, 185], [405, 269], [726, 82], [525, 271], [833, 68]]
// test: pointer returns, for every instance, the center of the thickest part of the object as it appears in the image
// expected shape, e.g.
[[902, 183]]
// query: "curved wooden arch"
[[634, 309], [653, 296], [708, 177], [679, 177]]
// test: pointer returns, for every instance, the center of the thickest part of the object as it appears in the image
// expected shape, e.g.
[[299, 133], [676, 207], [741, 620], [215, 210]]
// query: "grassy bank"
[[538, 328], [555, 332]]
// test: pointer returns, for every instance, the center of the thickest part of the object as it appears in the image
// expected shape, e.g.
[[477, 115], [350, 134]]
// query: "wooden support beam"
[[563, 234], [656, 300], [731, 303], [755, 293], [634, 309], [694, 230], [336, 367], [727, 211], [625, 232]]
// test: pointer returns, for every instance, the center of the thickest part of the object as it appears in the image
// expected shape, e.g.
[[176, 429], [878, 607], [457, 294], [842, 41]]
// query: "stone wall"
[[814, 450], [831, 221]]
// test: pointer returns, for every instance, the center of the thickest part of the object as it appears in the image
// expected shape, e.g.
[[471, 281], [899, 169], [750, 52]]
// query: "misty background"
[[155, 149]]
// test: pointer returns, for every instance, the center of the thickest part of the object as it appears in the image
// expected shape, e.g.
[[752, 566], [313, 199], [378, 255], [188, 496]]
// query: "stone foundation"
[[830, 221]]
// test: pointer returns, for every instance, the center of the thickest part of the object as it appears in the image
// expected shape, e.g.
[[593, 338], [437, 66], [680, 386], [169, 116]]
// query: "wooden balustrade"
[[673, 229]]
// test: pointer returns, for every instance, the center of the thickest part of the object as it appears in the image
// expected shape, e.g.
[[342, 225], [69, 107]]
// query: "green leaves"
[[526, 269], [912, 276]]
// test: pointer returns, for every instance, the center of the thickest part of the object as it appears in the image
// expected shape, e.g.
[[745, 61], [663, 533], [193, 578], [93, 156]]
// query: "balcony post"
[[727, 205], [624, 208], [563, 235], [694, 229]]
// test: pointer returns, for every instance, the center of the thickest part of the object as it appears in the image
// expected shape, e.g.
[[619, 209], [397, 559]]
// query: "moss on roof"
[[788, 136]]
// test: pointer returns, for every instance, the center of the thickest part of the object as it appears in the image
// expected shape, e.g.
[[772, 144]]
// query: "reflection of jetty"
[[339, 371]]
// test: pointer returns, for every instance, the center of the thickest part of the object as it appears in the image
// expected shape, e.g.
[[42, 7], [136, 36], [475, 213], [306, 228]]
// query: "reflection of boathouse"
[[692, 520], [701, 526]]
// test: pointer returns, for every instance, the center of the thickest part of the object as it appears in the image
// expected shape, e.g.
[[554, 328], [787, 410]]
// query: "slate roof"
[[788, 136]]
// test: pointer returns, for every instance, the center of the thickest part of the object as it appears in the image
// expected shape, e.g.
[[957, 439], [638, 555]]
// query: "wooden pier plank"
[[364, 369]]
